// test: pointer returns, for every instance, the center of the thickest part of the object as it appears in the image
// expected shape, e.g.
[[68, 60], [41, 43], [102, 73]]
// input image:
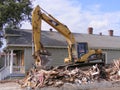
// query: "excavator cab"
[[82, 48], [89, 56]]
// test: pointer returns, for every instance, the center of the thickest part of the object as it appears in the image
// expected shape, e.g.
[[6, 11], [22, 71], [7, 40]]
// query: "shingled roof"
[[24, 38], [18, 37], [55, 39]]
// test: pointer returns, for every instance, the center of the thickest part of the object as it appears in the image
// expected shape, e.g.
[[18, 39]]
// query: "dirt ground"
[[95, 86], [10, 86]]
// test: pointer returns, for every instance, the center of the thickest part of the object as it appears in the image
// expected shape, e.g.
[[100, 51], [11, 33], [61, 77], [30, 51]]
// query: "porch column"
[[5, 60], [8, 59], [11, 61]]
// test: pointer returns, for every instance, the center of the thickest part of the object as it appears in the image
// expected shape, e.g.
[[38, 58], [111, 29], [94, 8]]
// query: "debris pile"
[[114, 72], [57, 77]]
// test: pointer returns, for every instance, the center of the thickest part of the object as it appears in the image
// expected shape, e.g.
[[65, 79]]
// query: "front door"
[[18, 61]]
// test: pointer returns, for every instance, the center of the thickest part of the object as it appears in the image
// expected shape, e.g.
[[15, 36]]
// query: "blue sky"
[[105, 5], [78, 15]]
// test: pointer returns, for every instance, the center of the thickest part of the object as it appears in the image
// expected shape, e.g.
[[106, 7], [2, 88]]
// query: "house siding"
[[111, 55], [28, 59], [57, 56]]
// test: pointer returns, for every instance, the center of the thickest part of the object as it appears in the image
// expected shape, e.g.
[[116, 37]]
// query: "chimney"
[[110, 32], [100, 34], [51, 29], [90, 30]]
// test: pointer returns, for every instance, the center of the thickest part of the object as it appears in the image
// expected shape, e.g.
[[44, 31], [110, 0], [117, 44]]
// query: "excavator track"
[[90, 62], [78, 65]]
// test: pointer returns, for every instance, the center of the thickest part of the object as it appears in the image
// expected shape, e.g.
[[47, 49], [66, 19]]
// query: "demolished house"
[[19, 48]]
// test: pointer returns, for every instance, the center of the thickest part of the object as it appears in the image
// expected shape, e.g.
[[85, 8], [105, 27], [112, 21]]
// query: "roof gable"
[[18, 37]]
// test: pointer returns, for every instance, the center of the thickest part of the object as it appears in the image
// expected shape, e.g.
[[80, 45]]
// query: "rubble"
[[57, 77]]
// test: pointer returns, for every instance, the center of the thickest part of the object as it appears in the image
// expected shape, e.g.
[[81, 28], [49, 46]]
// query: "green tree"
[[12, 12]]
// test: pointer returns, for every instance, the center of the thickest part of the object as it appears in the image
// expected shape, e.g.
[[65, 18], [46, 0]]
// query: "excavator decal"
[[54, 23]]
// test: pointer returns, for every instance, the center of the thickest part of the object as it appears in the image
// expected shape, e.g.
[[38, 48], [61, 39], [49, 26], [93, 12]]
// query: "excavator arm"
[[39, 50], [38, 15]]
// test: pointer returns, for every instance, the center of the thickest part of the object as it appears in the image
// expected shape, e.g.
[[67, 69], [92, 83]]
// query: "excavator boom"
[[41, 14]]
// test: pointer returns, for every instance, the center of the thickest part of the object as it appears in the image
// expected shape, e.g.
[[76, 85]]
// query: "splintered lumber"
[[117, 64], [59, 76]]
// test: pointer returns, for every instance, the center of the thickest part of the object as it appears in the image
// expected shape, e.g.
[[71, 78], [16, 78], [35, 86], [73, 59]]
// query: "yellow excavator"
[[78, 52]]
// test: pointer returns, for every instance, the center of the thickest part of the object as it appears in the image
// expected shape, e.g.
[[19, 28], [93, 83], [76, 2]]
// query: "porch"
[[13, 64]]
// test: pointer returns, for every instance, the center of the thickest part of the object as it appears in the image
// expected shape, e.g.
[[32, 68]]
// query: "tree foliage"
[[12, 12]]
